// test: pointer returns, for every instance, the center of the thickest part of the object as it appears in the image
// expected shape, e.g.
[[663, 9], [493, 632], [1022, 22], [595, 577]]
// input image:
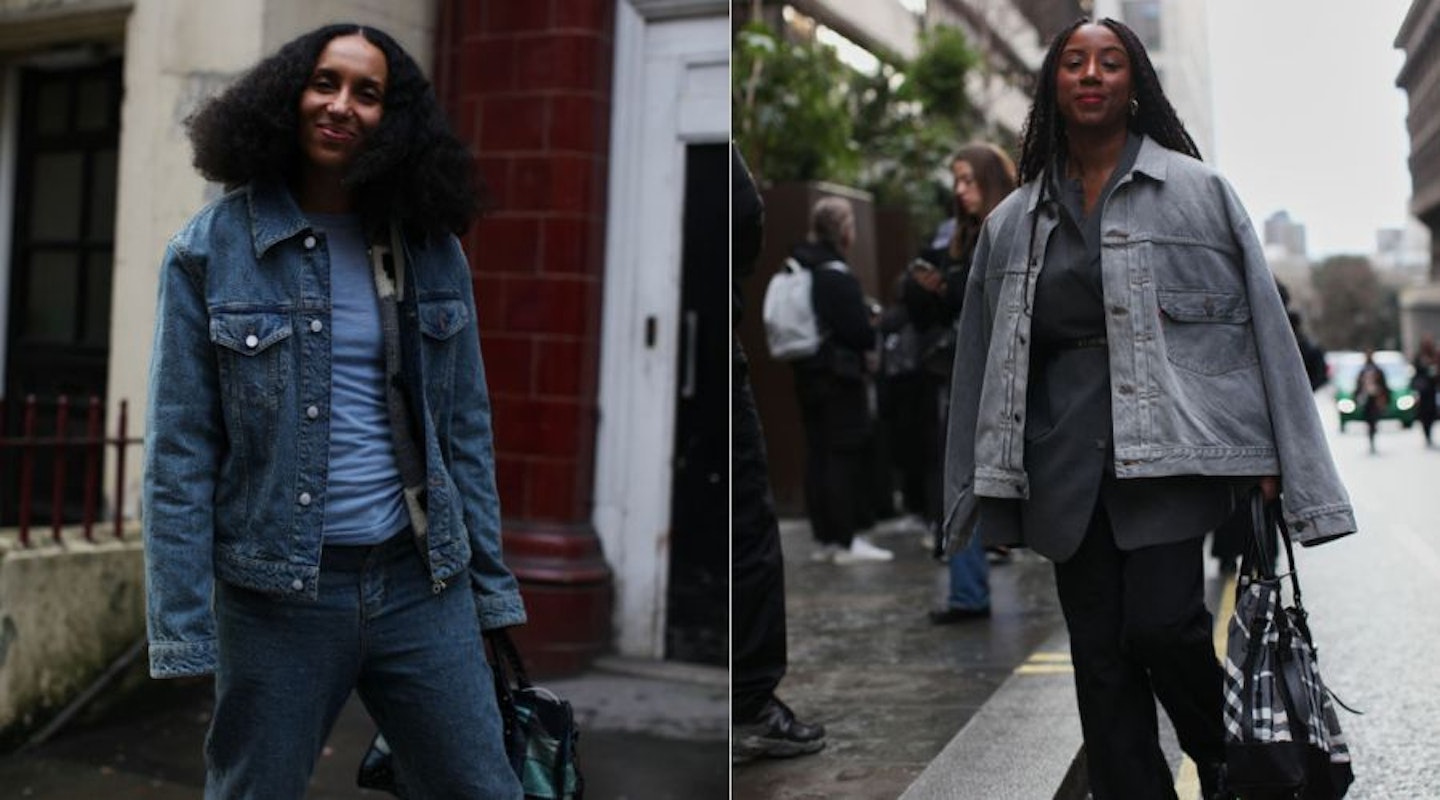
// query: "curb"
[[1024, 742]]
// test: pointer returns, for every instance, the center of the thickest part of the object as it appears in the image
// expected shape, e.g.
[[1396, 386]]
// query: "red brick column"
[[527, 85]]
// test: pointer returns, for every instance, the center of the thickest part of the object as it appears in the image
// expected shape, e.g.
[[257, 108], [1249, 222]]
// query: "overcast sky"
[[1308, 118]]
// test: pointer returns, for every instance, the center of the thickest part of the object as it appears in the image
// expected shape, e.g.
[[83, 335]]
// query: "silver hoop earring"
[[1134, 106]]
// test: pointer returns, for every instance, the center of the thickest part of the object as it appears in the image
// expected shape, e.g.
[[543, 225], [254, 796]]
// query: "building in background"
[[601, 128], [1285, 234], [1176, 34], [1419, 37]]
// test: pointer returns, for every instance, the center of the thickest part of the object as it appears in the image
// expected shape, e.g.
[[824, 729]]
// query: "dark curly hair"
[[1044, 136], [412, 168]]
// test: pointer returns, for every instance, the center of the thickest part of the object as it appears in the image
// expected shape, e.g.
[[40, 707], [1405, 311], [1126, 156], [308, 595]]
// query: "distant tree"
[[1356, 310]]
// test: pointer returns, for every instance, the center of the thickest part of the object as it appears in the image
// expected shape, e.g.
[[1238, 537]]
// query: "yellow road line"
[[1046, 663], [1187, 779], [1044, 669]]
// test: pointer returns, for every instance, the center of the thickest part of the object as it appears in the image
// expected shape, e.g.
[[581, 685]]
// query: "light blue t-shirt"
[[365, 502]]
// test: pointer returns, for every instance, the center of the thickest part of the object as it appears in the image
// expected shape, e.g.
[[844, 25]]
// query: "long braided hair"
[[1044, 136]]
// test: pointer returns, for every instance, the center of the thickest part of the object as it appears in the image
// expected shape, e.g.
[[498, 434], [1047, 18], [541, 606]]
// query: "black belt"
[[353, 558], [1076, 344]]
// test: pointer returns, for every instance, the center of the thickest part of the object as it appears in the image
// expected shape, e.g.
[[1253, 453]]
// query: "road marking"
[[1044, 669], [1187, 778], [1043, 663]]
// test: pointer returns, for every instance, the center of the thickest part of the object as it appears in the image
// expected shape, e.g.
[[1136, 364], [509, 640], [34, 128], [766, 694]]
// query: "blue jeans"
[[287, 665], [969, 577]]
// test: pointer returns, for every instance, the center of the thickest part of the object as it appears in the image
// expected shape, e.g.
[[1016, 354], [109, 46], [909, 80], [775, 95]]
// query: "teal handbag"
[[539, 729]]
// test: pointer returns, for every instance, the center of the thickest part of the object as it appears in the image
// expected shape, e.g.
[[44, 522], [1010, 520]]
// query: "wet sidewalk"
[[648, 731], [892, 689]]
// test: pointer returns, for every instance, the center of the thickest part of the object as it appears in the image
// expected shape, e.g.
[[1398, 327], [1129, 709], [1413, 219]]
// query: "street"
[[892, 690], [1372, 602]]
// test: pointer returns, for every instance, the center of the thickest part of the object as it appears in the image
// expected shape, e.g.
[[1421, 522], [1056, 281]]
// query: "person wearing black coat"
[[763, 725], [833, 391]]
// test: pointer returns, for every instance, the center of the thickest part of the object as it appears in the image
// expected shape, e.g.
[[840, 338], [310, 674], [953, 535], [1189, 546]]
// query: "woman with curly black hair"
[[320, 505], [1125, 375]]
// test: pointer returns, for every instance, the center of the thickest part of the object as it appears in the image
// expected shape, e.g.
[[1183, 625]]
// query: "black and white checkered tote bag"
[[1282, 736]]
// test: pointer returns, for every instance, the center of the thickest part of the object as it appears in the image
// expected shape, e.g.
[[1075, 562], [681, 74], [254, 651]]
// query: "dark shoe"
[[776, 733], [998, 554], [950, 616], [1212, 781]]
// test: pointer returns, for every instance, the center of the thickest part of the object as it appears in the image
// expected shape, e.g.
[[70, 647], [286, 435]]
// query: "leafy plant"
[[801, 114], [789, 108]]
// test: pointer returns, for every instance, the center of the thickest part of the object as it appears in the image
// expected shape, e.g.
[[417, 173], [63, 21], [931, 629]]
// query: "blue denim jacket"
[[1205, 375], [237, 431]]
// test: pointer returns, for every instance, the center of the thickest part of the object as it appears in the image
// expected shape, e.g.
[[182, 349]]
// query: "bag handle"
[[1265, 517], [506, 660]]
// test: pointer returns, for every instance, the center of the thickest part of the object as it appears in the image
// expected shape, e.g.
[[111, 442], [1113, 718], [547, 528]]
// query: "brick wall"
[[528, 85]]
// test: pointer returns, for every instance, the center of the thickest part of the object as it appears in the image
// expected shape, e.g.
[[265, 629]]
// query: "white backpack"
[[791, 330]]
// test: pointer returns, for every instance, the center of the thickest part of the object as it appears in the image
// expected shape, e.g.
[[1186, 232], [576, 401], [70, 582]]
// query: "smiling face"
[[1093, 79], [342, 103]]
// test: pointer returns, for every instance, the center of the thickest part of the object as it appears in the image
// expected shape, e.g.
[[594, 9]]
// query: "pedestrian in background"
[[1426, 382], [763, 726], [833, 389], [320, 505], [983, 176], [1372, 395], [1125, 374]]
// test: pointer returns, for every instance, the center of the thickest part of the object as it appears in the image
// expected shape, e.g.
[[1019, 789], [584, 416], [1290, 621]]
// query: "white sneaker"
[[910, 523], [825, 553], [861, 550]]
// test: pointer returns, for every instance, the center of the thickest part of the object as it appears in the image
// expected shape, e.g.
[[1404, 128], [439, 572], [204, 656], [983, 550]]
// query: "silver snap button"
[[298, 585], [316, 326], [304, 498], [309, 242], [252, 341], [312, 412]]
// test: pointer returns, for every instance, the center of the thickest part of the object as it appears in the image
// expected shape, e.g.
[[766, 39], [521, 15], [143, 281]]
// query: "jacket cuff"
[[1321, 525], [500, 611], [182, 659]]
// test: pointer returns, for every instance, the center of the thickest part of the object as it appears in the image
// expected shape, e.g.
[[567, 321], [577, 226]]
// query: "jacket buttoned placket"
[[312, 399]]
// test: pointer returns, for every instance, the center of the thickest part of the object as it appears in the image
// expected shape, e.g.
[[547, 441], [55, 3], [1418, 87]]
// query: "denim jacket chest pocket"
[[254, 355], [441, 318], [1207, 332]]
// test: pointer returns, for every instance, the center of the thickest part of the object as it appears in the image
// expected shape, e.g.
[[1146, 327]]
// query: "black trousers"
[[1139, 631], [835, 414], [758, 656]]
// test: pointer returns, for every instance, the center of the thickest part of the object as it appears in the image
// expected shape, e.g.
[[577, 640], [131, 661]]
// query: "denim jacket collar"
[[274, 215], [1150, 161]]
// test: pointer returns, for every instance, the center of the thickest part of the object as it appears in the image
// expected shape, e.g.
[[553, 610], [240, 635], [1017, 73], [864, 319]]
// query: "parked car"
[[1344, 368]]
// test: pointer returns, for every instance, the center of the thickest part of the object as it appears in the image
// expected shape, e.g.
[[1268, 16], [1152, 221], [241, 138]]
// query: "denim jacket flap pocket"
[[441, 319], [1203, 306], [249, 332]]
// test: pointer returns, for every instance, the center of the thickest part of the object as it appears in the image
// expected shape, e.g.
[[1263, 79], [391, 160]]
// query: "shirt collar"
[[1152, 160]]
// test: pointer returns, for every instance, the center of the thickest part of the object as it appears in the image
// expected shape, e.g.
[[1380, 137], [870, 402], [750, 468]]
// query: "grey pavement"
[[892, 689], [648, 731], [982, 709]]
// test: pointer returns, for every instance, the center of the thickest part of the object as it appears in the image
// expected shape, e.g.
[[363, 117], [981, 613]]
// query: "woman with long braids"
[[320, 505], [1125, 374]]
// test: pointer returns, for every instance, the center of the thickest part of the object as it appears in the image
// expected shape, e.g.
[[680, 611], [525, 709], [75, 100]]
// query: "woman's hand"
[[1270, 487]]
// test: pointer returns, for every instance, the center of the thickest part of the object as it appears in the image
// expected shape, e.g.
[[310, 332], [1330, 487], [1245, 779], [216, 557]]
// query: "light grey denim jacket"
[[237, 429], [1205, 375]]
